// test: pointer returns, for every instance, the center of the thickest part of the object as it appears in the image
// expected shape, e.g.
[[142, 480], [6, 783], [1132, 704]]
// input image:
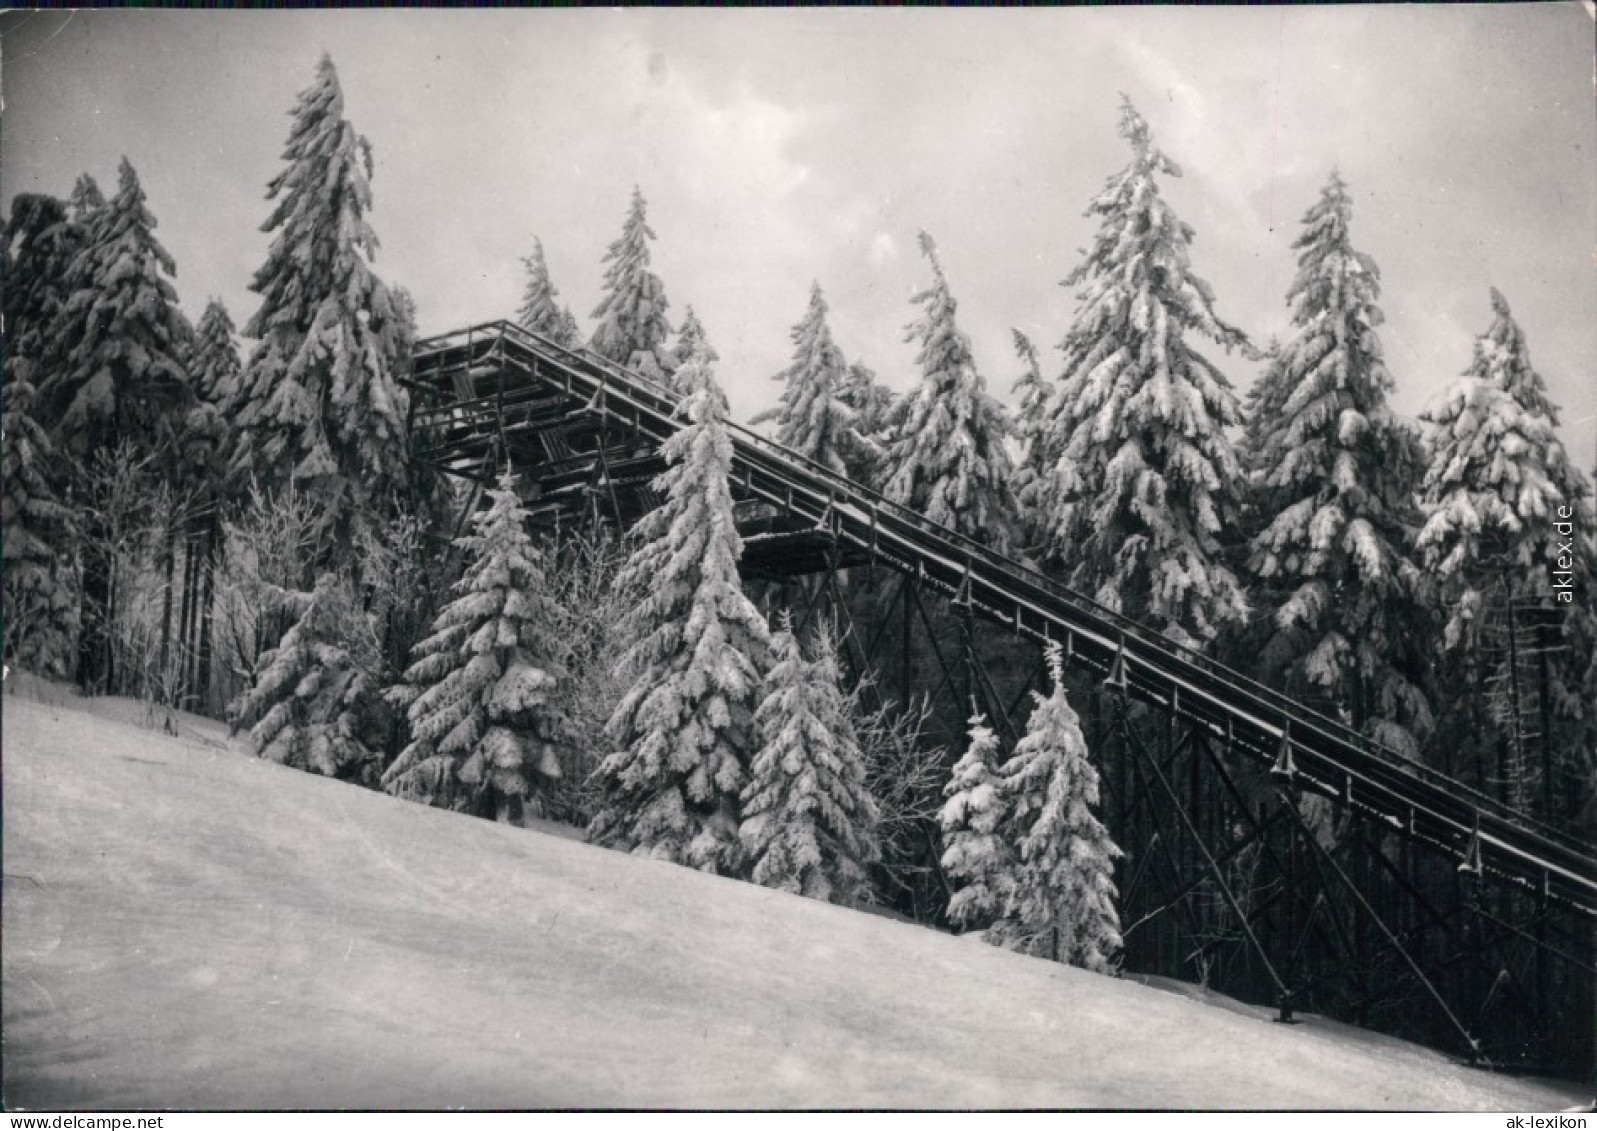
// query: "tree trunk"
[[202, 682], [193, 559], [168, 566], [93, 674], [110, 625]]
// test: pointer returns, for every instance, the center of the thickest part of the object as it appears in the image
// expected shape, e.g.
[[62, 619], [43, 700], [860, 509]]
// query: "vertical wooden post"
[[1513, 774], [1289, 907], [1545, 711]]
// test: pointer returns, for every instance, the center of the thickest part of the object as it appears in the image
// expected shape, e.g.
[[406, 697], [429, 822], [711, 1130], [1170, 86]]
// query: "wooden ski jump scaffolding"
[[1478, 918]]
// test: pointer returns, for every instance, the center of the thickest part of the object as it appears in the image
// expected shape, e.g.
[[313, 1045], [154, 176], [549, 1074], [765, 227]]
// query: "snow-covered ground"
[[187, 926]]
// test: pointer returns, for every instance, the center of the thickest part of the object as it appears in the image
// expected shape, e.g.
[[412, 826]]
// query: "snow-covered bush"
[[269, 546], [587, 598], [905, 775]]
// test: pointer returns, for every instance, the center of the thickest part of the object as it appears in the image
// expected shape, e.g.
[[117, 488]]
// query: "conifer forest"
[[438, 564]]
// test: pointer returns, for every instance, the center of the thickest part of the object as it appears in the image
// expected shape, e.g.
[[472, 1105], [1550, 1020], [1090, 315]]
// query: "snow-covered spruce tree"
[[873, 405], [214, 366], [204, 459], [316, 698], [1261, 413], [809, 823], [947, 458], [87, 199], [403, 304], [485, 716], [1031, 404], [124, 340], [216, 375], [538, 311], [1062, 901], [1498, 488], [321, 407], [1256, 645], [811, 416], [118, 377], [36, 530], [977, 860], [871, 400], [1141, 475], [684, 732], [571, 333], [1498, 472], [36, 533], [632, 327], [1031, 391], [691, 337], [1335, 473], [40, 243]]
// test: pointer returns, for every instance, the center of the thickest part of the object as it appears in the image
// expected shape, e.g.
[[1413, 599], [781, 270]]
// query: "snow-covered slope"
[[187, 926]]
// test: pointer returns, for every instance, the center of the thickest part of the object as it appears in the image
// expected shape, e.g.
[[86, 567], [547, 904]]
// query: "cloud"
[[1234, 169], [717, 141], [780, 146]]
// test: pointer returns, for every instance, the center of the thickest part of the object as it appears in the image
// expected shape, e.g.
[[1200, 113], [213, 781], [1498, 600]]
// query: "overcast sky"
[[777, 147]]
